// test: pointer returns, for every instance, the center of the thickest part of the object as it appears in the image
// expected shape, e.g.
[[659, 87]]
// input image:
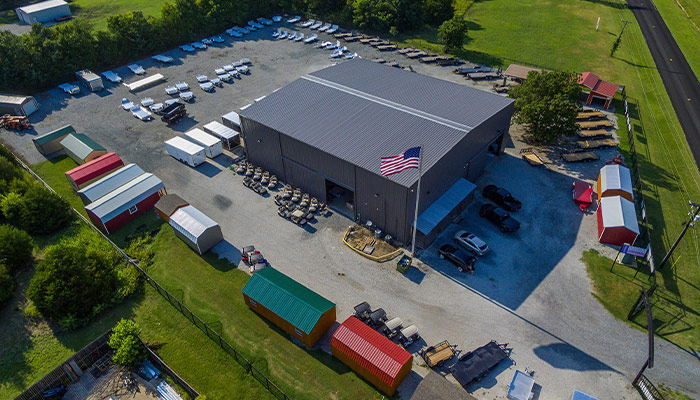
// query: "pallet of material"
[[580, 156], [438, 354], [387, 47], [531, 157], [596, 143], [603, 123], [594, 133], [406, 50], [589, 115], [416, 54]]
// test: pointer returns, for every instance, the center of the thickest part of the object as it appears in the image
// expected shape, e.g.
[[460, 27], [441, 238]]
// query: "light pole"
[[694, 215]]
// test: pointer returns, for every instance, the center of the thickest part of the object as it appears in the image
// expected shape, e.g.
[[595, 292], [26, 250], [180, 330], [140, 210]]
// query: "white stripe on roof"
[[387, 103], [120, 199], [111, 182]]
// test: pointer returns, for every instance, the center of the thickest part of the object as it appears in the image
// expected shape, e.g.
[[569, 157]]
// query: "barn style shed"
[[617, 221], [83, 175], [293, 307], [193, 227], [109, 183], [615, 180], [374, 357], [80, 148], [50, 142], [168, 204], [111, 211]]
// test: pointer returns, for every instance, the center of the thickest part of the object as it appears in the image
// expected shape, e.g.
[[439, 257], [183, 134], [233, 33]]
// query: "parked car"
[[502, 197], [471, 242], [463, 260], [499, 217]]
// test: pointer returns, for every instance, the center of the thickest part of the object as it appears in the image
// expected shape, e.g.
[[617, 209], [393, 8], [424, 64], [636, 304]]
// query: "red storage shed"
[[617, 221], [597, 89], [371, 355], [91, 171]]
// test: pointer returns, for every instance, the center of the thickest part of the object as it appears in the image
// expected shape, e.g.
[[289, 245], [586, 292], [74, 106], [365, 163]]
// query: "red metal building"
[[597, 89], [91, 171], [370, 354]]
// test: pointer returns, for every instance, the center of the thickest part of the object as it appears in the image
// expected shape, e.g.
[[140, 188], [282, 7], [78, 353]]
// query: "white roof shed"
[[44, 11], [615, 180], [109, 183], [196, 229]]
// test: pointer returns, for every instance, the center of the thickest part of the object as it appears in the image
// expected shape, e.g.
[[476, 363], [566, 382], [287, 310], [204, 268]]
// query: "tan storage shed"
[[168, 204], [50, 142]]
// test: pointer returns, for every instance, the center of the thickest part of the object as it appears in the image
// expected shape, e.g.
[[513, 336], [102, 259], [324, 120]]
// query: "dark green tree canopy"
[[16, 247], [452, 33], [547, 104]]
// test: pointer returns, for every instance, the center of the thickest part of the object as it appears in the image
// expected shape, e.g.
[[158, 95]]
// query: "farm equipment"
[[435, 356], [19, 122], [173, 113]]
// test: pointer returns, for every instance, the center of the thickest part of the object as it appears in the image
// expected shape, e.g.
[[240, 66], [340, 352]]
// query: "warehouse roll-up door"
[[304, 178]]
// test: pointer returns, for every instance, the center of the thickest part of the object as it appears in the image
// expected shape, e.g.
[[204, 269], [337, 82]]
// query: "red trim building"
[[370, 354], [91, 171], [597, 89]]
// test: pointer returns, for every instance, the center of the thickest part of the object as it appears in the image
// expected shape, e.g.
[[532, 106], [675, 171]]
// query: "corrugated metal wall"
[[262, 146], [381, 201], [300, 176], [329, 166]]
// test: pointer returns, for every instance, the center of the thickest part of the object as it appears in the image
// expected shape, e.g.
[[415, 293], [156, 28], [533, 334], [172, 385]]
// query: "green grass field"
[[560, 34], [683, 20], [97, 11], [53, 173]]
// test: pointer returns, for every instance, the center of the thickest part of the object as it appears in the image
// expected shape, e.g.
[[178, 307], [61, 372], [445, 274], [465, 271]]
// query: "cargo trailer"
[[186, 151], [212, 145], [90, 80], [226, 134]]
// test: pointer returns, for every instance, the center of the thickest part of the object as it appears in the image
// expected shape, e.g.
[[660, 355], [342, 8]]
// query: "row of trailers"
[[197, 144]]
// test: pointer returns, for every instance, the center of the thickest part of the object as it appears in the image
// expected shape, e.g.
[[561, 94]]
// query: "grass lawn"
[[683, 20], [52, 171], [560, 34], [97, 11], [30, 348]]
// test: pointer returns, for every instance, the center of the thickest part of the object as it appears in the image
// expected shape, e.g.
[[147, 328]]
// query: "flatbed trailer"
[[596, 143], [406, 50], [435, 356], [589, 115], [387, 47], [352, 38], [580, 156], [416, 54], [594, 133], [603, 123], [531, 157], [342, 35], [476, 364]]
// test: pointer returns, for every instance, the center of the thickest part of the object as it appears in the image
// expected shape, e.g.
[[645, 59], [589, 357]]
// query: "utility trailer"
[[173, 113], [477, 363], [90, 80], [435, 356], [580, 156]]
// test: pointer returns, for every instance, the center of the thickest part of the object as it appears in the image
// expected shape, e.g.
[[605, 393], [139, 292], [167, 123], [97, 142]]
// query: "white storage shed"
[[212, 145], [200, 232], [221, 131], [183, 150], [44, 11]]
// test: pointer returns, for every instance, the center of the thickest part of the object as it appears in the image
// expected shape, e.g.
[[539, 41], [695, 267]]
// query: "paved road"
[[681, 84]]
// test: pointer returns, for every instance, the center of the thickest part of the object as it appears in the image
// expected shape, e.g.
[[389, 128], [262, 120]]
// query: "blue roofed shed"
[[435, 218]]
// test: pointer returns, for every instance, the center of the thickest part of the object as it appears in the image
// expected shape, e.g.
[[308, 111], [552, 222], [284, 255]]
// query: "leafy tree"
[[377, 15], [16, 248], [452, 32], [135, 34], [7, 284], [547, 104], [8, 172], [11, 206], [409, 14], [43, 211], [77, 279], [128, 349], [438, 11]]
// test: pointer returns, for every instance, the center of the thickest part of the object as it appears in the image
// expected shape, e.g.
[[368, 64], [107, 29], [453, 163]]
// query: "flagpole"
[[415, 219]]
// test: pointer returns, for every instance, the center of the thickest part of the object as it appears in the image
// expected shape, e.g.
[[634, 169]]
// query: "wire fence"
[[175, 302]]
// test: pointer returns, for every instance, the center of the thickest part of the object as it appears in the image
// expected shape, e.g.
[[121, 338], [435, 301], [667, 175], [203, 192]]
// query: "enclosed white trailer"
[[185, 151], [226, 134], [212, 145], [232, 120]]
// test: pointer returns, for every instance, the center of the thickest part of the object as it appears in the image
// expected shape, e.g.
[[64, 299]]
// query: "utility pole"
[[694, 217]]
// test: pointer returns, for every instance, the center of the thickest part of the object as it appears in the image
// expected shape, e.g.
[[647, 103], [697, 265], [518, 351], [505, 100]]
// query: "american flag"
[[395, 164]]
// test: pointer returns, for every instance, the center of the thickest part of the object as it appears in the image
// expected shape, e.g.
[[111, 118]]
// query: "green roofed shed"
[[50, 142], [290, 305], [81, 148]]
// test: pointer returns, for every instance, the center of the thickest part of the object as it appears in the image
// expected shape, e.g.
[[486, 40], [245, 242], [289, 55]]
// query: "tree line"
[[46, 57]]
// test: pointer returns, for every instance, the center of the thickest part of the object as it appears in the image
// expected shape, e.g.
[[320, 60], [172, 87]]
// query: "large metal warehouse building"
[[327, 131], [44, 11]]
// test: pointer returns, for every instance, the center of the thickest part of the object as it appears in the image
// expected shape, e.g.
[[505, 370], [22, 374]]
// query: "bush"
[[452, 32], [128, 349], [11, 205], [16, 248], [77, 279], [8, 173], [7, 285], [44, 212]]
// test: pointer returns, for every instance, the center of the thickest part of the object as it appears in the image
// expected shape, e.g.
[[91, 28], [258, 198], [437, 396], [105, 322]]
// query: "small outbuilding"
[[109, 183], [168, 204], [193, 227], [17, 105], [111, 211], [617, 221], [435, 387], [50, 142], [615, 180], [81, 148], [374, 357], [597, 90], [519, 72], [83, 175], [45, 11], [293, 307]]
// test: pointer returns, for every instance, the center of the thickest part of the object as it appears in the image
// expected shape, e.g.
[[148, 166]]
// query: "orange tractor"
[[18, 122]]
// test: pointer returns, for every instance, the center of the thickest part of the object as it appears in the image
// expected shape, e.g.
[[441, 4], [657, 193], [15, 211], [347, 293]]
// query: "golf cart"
[[253, 258]]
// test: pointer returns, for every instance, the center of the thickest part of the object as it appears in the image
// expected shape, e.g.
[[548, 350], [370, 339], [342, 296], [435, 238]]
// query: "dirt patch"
[[363, 240]]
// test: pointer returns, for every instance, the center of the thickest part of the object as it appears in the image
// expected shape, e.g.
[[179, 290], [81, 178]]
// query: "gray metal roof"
[[125, 196], [360, 111], [111, 182], [191, 222], [80, 145], [441, 208], [14, 99], [44, 5]]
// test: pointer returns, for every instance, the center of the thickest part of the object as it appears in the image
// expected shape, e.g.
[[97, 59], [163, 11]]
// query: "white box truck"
[[185, 151], [212, 145]]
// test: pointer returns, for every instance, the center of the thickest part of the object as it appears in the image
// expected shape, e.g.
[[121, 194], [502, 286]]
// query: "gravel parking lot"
[[530, 291]]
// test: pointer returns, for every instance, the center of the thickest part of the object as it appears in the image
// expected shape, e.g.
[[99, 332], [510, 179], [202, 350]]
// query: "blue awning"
[[441, 208]]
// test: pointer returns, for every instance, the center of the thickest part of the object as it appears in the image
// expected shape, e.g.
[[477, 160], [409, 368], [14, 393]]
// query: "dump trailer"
[[173, 113], [90, 80], [185, 151]]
